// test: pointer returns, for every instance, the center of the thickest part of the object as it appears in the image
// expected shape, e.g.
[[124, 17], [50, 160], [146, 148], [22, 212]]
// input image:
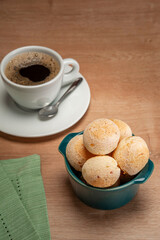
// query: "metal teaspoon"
[[51, 110]]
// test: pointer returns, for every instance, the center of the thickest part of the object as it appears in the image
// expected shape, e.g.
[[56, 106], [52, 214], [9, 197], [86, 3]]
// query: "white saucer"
[[20, 123]]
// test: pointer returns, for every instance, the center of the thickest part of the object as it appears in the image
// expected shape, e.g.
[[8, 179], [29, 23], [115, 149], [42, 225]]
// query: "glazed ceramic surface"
[[18, 122], [100, 198], [38, 96]]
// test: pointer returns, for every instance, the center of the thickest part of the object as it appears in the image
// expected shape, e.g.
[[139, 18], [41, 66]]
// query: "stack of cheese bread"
[[107, 153]]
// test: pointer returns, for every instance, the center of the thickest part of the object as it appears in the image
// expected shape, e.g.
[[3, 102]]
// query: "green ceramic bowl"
[[101, 198]]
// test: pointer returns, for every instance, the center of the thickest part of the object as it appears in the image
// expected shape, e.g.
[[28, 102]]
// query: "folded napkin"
[[23, 209]]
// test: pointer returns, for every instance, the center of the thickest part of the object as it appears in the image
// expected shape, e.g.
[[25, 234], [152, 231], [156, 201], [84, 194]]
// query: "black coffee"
[[32, 68], [35, 73]]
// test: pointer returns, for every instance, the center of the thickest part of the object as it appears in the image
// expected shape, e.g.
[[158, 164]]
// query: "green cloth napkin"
[[23, 209]]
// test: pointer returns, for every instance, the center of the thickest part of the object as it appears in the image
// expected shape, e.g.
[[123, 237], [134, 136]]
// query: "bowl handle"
[[147, 175]]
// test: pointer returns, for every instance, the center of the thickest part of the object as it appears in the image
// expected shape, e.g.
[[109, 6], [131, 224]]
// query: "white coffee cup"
[[38, 96]]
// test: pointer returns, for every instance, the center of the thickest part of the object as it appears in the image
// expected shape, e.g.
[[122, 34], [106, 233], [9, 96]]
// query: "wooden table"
[[117, 44]]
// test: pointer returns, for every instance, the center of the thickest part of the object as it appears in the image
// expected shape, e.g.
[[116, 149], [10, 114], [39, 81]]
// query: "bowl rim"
[[138, 179]]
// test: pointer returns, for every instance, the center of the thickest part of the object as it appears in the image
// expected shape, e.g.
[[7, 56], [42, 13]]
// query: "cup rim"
[[30, 48]]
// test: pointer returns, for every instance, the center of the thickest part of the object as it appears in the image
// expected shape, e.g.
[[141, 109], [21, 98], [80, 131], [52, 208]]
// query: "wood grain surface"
[[117, 44]]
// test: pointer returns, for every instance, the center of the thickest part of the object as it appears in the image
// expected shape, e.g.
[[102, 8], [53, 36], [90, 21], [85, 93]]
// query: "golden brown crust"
[[131, 154], [125, 130], [76, 153], [101, 136], [101, 171]]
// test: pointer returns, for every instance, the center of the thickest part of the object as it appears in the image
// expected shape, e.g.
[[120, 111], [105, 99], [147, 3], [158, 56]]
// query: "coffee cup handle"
[[71, 68]]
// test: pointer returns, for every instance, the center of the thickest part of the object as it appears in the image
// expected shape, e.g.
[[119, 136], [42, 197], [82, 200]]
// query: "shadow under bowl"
[[103, 198]]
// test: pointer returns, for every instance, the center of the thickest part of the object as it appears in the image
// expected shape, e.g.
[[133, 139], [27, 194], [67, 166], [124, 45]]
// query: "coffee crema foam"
[[27, 59]]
